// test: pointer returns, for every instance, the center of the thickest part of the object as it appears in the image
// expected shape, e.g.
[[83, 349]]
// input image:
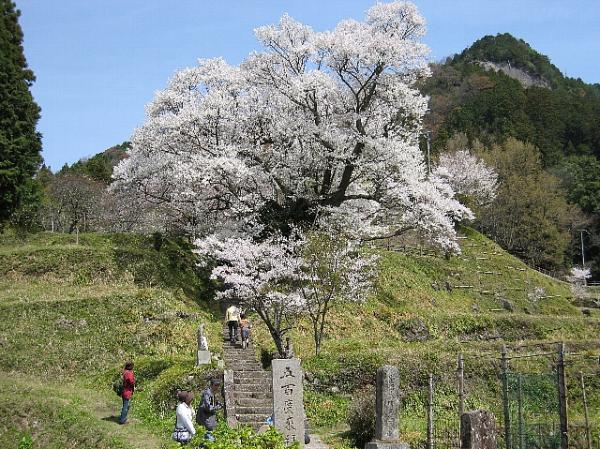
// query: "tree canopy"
[[20, 143], [323, 126]]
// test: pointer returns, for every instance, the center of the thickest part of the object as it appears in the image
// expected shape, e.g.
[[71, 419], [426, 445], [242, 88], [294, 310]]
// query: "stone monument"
[[288, 406], [478, 430], [203, 354], [387, 408]]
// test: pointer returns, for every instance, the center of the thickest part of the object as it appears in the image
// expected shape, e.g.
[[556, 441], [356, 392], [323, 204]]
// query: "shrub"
[[26, 442], [163, 391], [361, 416], [325, 409], [242, 437], [266, 357], [346, 371], [150, 368]]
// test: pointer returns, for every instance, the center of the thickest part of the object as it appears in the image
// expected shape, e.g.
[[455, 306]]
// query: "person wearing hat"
[[207, 410], [184, 428]]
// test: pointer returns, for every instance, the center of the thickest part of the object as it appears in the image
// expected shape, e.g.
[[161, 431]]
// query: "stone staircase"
[[251, 394]]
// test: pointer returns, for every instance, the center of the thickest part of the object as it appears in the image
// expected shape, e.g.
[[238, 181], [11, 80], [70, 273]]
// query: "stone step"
[[228, 347], [254, 402], [240, 354], [243, 366], [260, 381], [237, 374], [245, 410], [248, 368], [251, 372], [241, 388], [258, 384], [252, 394], [243, 360], [252, 418]]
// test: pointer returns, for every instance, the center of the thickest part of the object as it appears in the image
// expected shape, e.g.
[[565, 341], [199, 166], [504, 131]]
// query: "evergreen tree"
[[20, 144]]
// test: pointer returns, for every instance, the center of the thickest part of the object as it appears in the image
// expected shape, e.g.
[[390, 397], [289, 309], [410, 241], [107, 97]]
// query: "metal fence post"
[[588, 434], [520, 412], [430, 414], [504, 366], [562, 397], [461, 384]]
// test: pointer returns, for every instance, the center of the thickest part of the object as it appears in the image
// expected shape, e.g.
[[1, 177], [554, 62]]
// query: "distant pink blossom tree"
[[468, 175]]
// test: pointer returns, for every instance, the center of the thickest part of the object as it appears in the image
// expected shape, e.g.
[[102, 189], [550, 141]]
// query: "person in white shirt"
[[184, 428], [232, 317]]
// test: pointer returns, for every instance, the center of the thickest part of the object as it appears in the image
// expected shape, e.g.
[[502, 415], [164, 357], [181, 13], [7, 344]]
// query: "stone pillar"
[[202, 354], [228, 395], [478, 430], [387, 409], [288, 406]]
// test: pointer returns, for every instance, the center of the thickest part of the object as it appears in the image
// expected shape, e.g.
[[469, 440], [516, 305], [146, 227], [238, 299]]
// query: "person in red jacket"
[[128, 387]]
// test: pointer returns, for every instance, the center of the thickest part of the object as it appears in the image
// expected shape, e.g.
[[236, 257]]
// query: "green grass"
[[426, 310], [72, 314], [56, 417]]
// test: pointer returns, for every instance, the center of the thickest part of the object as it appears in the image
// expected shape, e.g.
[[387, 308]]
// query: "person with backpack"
[[207, 410], [127, 391], [184, 427]]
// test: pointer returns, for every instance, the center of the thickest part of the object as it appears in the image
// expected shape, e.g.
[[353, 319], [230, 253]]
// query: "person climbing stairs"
[[252, 385]]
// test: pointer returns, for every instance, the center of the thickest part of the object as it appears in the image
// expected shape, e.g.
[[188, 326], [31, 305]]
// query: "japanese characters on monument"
[[387, 408], [288, 406]]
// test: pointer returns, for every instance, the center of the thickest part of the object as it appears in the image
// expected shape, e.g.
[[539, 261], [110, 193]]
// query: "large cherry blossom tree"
[[318, 131], [319, 127]]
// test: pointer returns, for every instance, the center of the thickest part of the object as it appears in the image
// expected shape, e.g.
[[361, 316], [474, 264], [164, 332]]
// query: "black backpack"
[[118, 387]]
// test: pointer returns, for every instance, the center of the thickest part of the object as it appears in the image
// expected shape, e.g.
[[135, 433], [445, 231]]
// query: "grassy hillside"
[[73, 313]]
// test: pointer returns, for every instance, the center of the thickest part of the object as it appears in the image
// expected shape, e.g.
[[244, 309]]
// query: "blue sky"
[[99, 62]]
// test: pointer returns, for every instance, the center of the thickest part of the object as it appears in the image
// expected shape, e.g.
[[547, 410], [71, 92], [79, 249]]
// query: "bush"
[[266, 357], [242, 437], [147, 368], [346, 371], [361, 416], [325, 410], [163, 391]]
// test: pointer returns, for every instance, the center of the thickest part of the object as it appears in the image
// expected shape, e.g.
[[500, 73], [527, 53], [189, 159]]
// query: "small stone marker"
[[387, 407], [288, 406], [478, 430], [203, 354]]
